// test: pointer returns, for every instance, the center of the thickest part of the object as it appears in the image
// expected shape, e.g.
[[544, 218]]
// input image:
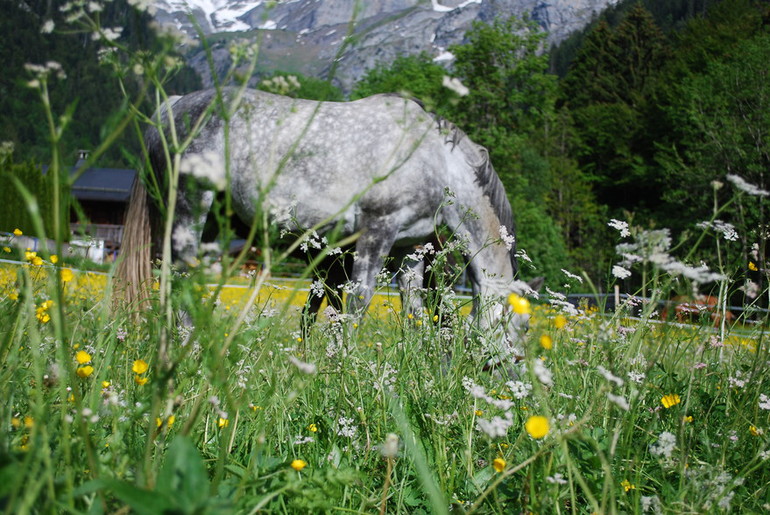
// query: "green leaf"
[[183, 476]]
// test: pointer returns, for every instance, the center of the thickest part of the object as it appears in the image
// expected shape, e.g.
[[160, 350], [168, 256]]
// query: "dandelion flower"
[[560, 321], [298, 465], [546, 342], [17, 232], [84, 371], [140, 366], [498, 464], [669, 400], [83, 357], [537, 426], [519, 304]]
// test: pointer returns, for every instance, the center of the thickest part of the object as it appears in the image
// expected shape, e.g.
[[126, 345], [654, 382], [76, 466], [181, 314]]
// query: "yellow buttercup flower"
[[312, 428], [669, 400], [140, 366], [298, 465], [537, 426], [626, 484], [519, 304], [498, 464], [546, 342], [141, 381], [17, 232], [54, 258], [83, 357], [223, 422], [559, 321], [66, 275], [753, 266], [84, 371]]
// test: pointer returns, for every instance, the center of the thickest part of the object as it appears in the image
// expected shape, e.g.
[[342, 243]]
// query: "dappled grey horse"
[[381, 167]]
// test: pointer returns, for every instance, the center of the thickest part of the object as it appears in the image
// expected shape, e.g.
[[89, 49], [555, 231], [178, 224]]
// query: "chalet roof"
[[104, 184]]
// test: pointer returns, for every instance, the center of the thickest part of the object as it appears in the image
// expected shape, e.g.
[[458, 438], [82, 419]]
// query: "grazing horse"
[[380, 167]]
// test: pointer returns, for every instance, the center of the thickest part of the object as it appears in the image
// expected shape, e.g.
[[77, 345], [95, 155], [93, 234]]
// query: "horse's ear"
[[536, 283]]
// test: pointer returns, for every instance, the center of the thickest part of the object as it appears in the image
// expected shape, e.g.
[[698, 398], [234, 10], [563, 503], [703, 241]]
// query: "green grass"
[[243, 412]]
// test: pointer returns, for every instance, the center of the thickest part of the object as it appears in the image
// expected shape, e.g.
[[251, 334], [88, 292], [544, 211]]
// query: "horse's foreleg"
[[189, 219], [410, 277], [371, 250]]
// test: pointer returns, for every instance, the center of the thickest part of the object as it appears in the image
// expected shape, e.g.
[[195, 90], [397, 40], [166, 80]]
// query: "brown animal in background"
[[692, 309]]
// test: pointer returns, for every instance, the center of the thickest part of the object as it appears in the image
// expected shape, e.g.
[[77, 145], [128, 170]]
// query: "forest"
[[640, 118]]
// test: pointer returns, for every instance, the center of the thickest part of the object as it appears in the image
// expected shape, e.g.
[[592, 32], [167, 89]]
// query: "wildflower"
[[519, 304], [140, 366], [83, 357], [687, 419], [66, 275], [619, 400], [169, 421], [478, 412], [764, 401], [105, 384], [312, 428], [626, 484], [223, 422], [519, 389], [546, 342], [141, 381], [498, 464], [620, 226], [752, 266], [455, 85], [669, 400], [537, 426], [559, 321], [665, 445], [556, 479], [508, 239], [84, 371], [298, 465], [389, 448], [17, 232], [496, 427], [305, 368], [746, 187], [620, 272], [755, 431]]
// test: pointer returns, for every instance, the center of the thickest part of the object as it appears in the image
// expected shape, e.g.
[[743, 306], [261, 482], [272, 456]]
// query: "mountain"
[[306, 36]]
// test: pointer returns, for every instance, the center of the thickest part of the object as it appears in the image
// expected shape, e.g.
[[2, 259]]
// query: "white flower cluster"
[[509, 240], [665, 445], [727, 230], [747, 187], [208, 166]]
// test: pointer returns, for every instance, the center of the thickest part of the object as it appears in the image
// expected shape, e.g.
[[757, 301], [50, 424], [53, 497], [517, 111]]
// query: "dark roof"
[[105, 184]]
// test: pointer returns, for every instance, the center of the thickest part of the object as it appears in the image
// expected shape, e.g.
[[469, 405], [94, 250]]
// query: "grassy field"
[[606, 414]]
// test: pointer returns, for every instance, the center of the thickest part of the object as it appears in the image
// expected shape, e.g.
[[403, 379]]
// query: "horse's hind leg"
[[371, 250]]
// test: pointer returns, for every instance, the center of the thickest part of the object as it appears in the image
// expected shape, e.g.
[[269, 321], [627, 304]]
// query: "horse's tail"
[[134, 271]]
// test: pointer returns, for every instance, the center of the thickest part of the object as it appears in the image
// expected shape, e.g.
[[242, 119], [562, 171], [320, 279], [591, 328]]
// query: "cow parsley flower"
[[620, 226], [747, 187], [664, 446]]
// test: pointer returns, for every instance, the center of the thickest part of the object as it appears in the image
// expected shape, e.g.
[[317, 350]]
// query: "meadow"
[[607, 413], [127, 408]]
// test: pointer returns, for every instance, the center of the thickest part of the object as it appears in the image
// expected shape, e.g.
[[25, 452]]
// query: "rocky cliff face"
[[306, 36]]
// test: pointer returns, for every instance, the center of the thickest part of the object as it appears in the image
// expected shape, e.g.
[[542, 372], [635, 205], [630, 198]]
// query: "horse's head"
[[507, 322]]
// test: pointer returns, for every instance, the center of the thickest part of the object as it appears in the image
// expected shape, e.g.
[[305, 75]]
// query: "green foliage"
[[16, 212], [416, 76], [296, 85]]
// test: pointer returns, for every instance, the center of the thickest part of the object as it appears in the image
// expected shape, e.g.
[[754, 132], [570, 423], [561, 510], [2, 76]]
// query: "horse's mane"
[[486, 177]]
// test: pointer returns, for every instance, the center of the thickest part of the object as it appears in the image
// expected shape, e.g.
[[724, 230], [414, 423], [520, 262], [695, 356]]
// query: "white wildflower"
[[664, 446], [747, 187], [519, 389], [737, 381], [389, 447], [47, 27], [542, 373], [522, 254], [317, 289], [508, 240], [572, 276], [651, 503], [636, 377], [764, 401], [727, 230], [619, 400], [620, 226], [556, 479], [455, 85], [305, 368], [620, 272], [609, 376], [497, 427]]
